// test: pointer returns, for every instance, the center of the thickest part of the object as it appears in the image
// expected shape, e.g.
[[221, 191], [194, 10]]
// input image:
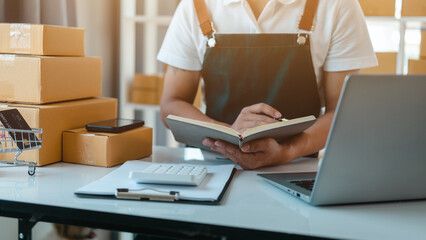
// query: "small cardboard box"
[[106, 149], [413, 8], [147, 89], [39, 80], [423, 45], [38, 39], [145, 96], [378, 7], [58, 117], [387, 64], [417, 66]]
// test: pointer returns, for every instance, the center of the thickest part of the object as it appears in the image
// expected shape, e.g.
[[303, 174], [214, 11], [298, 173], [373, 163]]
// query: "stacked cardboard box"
[[419, 66], [387, 64], [378, 7], [413, 8], [423, 45], [55, 118], [41, 40], [63, 75], [147, 89], [56, 92], [106, 149]]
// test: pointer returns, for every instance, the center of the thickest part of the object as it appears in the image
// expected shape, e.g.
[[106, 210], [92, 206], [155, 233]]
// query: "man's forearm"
[[313, 139], [185, 109]]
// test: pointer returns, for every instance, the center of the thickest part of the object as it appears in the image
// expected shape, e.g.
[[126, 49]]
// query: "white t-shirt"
[[339, 40]]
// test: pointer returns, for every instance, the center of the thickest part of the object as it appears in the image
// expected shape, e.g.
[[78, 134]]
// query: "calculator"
[[173, 174]]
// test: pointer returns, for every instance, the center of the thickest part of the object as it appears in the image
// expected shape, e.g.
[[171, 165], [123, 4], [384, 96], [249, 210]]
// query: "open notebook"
[[210, 190]]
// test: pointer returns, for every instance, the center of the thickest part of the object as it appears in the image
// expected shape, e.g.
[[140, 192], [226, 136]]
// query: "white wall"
[[100, 18], [8, 228]]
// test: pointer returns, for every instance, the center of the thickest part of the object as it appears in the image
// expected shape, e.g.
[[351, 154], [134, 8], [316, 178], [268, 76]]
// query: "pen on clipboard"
[[137, 194]]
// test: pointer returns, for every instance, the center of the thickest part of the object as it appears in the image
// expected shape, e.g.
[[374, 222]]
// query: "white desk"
[[250, 203]]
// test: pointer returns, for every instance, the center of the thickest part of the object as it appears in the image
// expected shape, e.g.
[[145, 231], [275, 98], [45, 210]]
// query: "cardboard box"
[[147, 89], [41, 40], [378, 7], [148, 81], [56, 118], [35, 79], [417, 66], [413, 8], [106, 149], [423, 45], [387, 64], [145, 96]]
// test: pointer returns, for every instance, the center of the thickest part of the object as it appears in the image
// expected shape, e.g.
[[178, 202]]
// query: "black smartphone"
[[116, 125]]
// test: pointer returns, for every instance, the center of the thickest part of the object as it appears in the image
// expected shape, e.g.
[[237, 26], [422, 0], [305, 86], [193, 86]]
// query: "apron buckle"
[[211, 40], [301, 39]]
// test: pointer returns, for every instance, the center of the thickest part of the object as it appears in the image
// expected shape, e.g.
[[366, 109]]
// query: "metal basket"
[[18, 140]]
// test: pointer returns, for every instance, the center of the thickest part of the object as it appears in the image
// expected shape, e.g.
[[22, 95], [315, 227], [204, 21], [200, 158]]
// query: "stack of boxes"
[[410, 8], [413, 8], [416, 8], [419, 66], [387, 60], [45, 75], [387, 64], [147, 89], [378, 7]]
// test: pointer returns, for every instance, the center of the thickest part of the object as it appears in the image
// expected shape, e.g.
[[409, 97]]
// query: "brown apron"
[[240, 70]]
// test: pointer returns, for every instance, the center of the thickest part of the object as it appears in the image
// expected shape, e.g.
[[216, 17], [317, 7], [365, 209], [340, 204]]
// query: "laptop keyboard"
[[307, 184]]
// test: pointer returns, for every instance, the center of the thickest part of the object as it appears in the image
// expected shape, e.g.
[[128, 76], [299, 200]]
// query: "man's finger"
[[254, 120], [259, 145], [262, 108], [208, 142], [230, 150]]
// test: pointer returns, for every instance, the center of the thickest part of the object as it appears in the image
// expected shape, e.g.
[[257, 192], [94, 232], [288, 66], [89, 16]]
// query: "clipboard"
[[109, 187], [171, 196]]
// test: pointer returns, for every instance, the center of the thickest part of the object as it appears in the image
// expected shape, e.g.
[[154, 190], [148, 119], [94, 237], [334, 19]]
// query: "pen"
[[125, 193], [278, 119]]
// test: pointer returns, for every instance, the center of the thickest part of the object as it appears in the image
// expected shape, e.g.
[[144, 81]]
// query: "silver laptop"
[[376, 148]]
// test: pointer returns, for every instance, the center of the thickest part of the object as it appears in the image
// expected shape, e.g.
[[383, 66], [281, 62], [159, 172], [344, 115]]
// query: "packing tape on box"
[[7, 89], [7, 60], [87, 154], [20, 36], [7, 57]]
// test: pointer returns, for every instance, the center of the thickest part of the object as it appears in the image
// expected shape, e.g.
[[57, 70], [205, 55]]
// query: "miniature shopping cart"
[[18, 140]]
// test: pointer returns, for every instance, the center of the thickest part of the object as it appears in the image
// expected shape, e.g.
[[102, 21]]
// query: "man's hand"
[[255, 115], [252, 155]]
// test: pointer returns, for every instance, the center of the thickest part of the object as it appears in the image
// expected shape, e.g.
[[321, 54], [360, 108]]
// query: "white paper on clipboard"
[[208, 190]]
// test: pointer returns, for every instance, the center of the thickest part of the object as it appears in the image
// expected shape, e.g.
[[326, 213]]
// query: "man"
[[261, 60]]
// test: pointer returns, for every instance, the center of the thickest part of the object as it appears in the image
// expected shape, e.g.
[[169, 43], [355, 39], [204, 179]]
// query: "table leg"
[[25, 227]]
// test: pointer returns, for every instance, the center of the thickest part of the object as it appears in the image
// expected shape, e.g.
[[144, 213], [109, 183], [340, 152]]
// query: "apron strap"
[[203, 17], [307, 20]]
